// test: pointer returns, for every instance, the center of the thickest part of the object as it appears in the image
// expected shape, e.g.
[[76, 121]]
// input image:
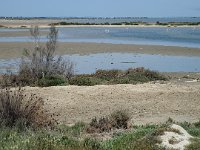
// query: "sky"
[[100, 8]]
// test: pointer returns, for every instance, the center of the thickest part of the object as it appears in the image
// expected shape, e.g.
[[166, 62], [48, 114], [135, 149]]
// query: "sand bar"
[[15, 49], [44, 23], [19, 33]]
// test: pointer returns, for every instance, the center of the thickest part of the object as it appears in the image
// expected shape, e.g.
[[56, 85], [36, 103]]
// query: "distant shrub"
[[144, 75], [106, 74], [131, 76], [83, 81], [51, 81], [18, 109]]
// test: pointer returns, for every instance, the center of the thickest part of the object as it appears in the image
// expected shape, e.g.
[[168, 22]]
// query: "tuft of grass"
[[138, 139], [195, 144], [92, 144], [40, 140], [73, 131]]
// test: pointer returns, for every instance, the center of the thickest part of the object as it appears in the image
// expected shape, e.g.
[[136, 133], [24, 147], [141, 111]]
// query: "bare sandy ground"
[[15, 49], [146, 103]]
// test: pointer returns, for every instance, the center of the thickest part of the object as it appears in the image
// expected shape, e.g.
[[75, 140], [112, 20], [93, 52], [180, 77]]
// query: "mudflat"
[[15, 49]]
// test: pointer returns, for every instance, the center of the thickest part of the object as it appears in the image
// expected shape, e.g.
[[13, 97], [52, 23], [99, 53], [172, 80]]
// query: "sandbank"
[[15, 49]]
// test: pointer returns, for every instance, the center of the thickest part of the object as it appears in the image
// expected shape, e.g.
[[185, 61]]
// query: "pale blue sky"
[[100, 8]]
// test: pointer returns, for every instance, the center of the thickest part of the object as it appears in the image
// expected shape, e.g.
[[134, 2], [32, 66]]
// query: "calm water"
[[90, 63], [184, 37]]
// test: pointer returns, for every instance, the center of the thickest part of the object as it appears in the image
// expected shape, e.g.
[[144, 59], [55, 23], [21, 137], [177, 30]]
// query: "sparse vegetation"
[[76, 137], [130, 76], [18, 109], [41, 62], [117, 120], [130, 23]]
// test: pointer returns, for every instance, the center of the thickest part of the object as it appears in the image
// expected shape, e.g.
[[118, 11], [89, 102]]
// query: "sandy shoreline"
[[15, 49], [22, 26], [45, 23]]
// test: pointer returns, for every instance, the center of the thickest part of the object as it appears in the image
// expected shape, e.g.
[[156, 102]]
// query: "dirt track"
[[147, 103]]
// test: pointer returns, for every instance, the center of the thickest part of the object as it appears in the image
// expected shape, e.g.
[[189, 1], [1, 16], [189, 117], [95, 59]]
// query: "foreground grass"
[[75, 138]]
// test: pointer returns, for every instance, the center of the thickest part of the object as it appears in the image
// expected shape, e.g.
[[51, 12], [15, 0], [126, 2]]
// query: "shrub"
[[144, 75], [99, 126], [119, 119], [83, 81], [18, 109], [106, 74], [51, 81], [41, 61]]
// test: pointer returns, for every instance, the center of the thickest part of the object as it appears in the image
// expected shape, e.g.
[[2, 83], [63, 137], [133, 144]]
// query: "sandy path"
[[147, 103]]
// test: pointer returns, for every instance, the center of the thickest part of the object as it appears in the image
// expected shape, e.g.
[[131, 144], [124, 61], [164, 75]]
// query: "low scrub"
[[83, 80], [131, 76], [117, 120], [51, 81], [74, 138]]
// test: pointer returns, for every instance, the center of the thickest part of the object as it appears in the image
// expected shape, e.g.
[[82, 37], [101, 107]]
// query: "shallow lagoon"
[[90, 63], [176, 36]]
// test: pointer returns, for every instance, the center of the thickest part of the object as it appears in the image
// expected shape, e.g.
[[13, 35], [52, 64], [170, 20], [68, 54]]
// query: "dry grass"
[[117, 120], [16, 108]]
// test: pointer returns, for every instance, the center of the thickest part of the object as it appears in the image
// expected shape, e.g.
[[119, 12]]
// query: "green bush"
[[106, 74], [143, 75], [51, 81], [83, 81]]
